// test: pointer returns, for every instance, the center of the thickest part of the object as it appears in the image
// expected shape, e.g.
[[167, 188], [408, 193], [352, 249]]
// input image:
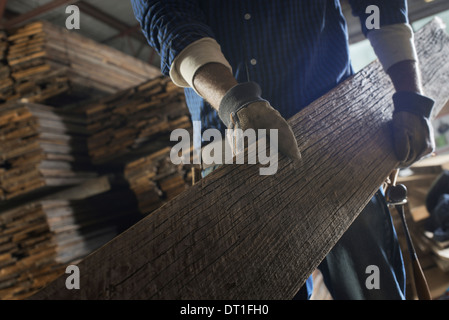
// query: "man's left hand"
[[412, 131]]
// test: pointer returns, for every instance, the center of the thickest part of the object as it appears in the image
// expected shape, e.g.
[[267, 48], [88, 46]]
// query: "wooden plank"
[[240, 235]]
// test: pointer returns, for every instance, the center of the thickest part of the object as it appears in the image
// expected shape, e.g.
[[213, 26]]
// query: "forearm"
[[412, 130], [394, 46], [212, 81], [406, 76]]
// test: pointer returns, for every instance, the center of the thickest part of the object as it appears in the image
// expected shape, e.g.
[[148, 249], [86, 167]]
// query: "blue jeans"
[[371, 240]]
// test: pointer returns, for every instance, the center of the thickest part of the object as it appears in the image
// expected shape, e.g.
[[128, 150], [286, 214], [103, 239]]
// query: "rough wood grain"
[[239, 235]]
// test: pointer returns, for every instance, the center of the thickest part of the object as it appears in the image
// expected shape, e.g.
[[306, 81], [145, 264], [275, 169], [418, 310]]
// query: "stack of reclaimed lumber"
[[134, 119], [155, 180], [39, 239], [52, 64], [40, 147], [56, 148], [46, 146], [131, 130], [6, 83]]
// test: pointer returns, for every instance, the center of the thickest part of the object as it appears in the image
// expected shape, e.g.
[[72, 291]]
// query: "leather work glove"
[[242, 108], [412, 131]]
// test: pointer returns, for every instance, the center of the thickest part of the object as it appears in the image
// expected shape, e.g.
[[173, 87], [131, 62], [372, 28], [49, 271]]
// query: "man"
[[254, 63]]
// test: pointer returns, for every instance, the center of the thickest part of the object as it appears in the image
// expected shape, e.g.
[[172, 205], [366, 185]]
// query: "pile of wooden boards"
[[132, 120], [56, 66], [6, 83], [40, 147], [155, 180], [45, 146], [131, 130], [77, 112], [39, 239]]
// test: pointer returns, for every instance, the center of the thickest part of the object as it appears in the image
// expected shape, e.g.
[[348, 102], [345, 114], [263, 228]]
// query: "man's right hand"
[[243, 108], [241, 105]]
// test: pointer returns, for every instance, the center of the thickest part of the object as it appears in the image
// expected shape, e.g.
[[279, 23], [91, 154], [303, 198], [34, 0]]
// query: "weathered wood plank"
[[239, 235]]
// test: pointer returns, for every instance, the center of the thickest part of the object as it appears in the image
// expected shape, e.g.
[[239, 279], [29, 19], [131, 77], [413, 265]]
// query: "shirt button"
[[253, 61], [247, 16]]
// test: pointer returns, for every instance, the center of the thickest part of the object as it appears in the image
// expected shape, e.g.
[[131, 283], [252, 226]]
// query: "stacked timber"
[[154, 179], [125, 135], [56, 66], [46, 146], [6, 83], [38, 240], [140, 118], [40, 147], [131, 129]]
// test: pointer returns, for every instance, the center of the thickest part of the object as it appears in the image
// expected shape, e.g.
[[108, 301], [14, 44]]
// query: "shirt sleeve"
[[390, 11], [192, 58], [393, 43], [170, 26]]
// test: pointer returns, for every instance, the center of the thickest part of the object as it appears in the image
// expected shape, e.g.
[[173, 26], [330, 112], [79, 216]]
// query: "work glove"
[[412, 131], [242, 108]]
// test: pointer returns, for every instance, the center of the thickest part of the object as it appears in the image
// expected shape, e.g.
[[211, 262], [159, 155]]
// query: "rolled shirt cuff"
[[393, 43], [194, 56]]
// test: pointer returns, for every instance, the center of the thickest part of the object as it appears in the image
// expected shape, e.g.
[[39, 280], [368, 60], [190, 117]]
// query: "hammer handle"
[[422, 289], [421, 286]]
